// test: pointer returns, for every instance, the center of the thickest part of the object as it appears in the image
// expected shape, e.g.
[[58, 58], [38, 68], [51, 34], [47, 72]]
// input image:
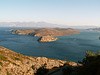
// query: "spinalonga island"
[[46, 34]]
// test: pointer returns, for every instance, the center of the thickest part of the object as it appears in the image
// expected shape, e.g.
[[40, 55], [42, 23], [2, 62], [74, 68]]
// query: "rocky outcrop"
[[47, 39], [12, 63]]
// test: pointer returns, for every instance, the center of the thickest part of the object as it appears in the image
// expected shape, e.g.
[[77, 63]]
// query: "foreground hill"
[[54, 32], [12, 63]]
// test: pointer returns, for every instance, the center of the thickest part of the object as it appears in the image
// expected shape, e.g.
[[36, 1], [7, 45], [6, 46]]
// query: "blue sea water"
[[71, 47]]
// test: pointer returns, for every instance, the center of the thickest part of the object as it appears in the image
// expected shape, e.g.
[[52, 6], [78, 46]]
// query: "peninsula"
[[46, 34]]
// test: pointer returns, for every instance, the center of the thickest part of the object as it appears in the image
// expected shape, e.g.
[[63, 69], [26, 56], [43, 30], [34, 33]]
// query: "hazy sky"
[[67, 12]]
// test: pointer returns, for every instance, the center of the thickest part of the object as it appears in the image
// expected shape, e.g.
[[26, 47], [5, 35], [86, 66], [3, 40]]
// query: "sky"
[[65, 12]]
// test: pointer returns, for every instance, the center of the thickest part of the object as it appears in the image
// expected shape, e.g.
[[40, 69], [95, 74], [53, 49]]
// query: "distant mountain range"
[[94, 29], [82, 27], [28, 24], [40, 24]]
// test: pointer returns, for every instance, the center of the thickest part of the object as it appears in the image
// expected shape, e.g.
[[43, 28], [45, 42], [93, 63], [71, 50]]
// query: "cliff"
[[12, 63], [54, 32]]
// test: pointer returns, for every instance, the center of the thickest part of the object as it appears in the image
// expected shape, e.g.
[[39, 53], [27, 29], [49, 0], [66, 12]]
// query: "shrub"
[[91, 65], [1, 63], [8, 73], [41, 71], [3, 58], [33, 67], [16, 58], [2, 52]]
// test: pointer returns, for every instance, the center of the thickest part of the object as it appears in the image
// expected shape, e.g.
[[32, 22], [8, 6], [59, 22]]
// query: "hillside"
[[12, 63]]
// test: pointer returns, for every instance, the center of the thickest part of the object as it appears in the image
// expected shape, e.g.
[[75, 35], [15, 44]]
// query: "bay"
[[70, 48]]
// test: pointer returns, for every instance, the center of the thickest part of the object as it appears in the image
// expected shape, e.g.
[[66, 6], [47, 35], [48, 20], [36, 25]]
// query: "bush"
[[3, 58], [8, 73], [33, 67], [41, 71], [68, 70], [91, 65], [19, 59], [1, 63]]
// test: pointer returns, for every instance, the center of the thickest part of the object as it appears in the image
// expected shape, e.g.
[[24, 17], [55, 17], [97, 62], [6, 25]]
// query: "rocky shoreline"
[[46, 34]]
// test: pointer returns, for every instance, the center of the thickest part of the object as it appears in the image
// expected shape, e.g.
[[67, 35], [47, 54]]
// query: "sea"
[[69, 48]]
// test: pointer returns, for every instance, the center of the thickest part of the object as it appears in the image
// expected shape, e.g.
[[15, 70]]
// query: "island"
[[46, 34], [47, 39]]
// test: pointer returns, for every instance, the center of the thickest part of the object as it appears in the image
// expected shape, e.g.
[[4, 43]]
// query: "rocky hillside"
[[12, 63]]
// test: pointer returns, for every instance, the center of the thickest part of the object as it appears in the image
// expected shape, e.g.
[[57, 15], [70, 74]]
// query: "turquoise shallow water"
[[71, 47]]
